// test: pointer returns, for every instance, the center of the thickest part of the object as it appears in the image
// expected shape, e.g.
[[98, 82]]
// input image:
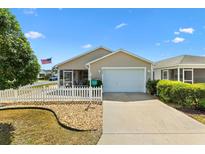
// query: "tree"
[[18, 64]]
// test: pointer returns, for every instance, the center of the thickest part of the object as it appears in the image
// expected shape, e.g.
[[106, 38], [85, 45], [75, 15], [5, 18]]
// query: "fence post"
[[15, 95], [43, 94], [101, 89], [72, 89], [90, 90]]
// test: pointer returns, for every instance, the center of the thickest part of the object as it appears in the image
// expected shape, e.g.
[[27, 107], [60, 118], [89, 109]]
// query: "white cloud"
[[186, 30], [158, 44], [34, 35], [176, 33], [178, 40], [120, 25], [30, 12], [87, 46]]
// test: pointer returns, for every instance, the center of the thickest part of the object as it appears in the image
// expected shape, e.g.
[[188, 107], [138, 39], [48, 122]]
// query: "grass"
[[42, 80], [193, 113], [44, 85], [200, 84], [199, 117], [35, 126]]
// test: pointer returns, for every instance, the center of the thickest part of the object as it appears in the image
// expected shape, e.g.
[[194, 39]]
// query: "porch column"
[[89, 74], [58, 78], [152, 73], [178, 74], [168, 74], [192, 75], [183, 75], [72, 77]]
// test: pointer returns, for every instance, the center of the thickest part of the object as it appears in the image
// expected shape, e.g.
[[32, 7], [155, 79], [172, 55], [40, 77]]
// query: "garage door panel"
[[123, 80]]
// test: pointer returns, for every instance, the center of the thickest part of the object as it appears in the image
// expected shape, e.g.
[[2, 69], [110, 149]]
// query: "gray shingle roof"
[[183, 59]]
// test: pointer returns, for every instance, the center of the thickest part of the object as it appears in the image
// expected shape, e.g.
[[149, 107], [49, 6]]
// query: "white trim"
[[182, 65], [89, 75], [152, 72], [183, 75], [145, 79], [165, 70], [121, 50], [64, 76], [168, 67], [145, 73], [72, 77], [123, 67], [191, 64], [85, 53], [59, 78], [192, 75], [178, 74]]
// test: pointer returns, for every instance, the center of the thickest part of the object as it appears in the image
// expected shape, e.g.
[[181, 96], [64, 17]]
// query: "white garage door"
[[124, 80]]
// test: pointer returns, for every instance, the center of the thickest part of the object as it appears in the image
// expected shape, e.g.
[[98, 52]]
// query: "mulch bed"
[[76, 115]]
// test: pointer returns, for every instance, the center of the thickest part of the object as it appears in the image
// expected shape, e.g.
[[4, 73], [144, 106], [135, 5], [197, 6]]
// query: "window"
[[188, 75], [165, 74]]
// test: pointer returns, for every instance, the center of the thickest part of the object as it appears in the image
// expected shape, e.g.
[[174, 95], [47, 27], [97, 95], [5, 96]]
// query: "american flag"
[[46, 61]]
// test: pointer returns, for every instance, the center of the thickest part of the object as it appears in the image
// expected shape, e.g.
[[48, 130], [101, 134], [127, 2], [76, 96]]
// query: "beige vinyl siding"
[[119, 59], [157, 74], [80, 62]]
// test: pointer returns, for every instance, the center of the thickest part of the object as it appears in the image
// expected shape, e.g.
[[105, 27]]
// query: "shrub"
[[202, 104], [185, 94], [151, 86]]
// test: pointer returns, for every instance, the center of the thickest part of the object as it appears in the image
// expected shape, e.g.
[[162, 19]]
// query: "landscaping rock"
[[71, 114]]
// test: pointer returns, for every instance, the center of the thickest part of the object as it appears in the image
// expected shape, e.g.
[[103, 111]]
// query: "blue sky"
[[151, 33]]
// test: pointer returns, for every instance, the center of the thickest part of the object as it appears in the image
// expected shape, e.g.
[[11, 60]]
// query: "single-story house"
[[119, 71], [185, 68], [43, 73]]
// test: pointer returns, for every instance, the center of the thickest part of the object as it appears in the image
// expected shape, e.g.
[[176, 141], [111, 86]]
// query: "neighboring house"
[[44, 74], [185, 68], [119, 71]]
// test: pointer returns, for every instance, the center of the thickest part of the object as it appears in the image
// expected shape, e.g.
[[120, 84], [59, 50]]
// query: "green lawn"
[[202, 84], [35, 126], [195, 114], [198, 117]]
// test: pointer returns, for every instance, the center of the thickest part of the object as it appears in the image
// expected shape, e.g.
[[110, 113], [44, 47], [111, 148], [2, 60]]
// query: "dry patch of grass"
[[73, 115], [35, 126]]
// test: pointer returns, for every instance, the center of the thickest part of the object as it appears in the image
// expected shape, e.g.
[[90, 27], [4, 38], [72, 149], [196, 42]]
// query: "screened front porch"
[[188, 75], [69, 78]]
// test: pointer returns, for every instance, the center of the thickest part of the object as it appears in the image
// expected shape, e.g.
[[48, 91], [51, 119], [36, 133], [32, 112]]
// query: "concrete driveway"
[[146, 120]]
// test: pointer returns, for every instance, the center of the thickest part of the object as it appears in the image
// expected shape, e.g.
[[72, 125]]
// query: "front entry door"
[[67, 78]]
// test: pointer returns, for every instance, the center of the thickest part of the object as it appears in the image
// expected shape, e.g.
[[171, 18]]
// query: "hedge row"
[[151, 86], [184, 94]]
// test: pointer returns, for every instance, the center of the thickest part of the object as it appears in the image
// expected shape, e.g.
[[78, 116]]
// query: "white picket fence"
[[44, 83], [50, 94]]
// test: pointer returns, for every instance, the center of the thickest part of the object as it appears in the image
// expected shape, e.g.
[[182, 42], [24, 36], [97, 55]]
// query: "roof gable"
[[120, 50], [84, 54], [180, 60]]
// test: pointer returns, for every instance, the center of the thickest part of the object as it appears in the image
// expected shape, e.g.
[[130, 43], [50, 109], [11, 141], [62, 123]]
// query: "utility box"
[[94, 83]]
